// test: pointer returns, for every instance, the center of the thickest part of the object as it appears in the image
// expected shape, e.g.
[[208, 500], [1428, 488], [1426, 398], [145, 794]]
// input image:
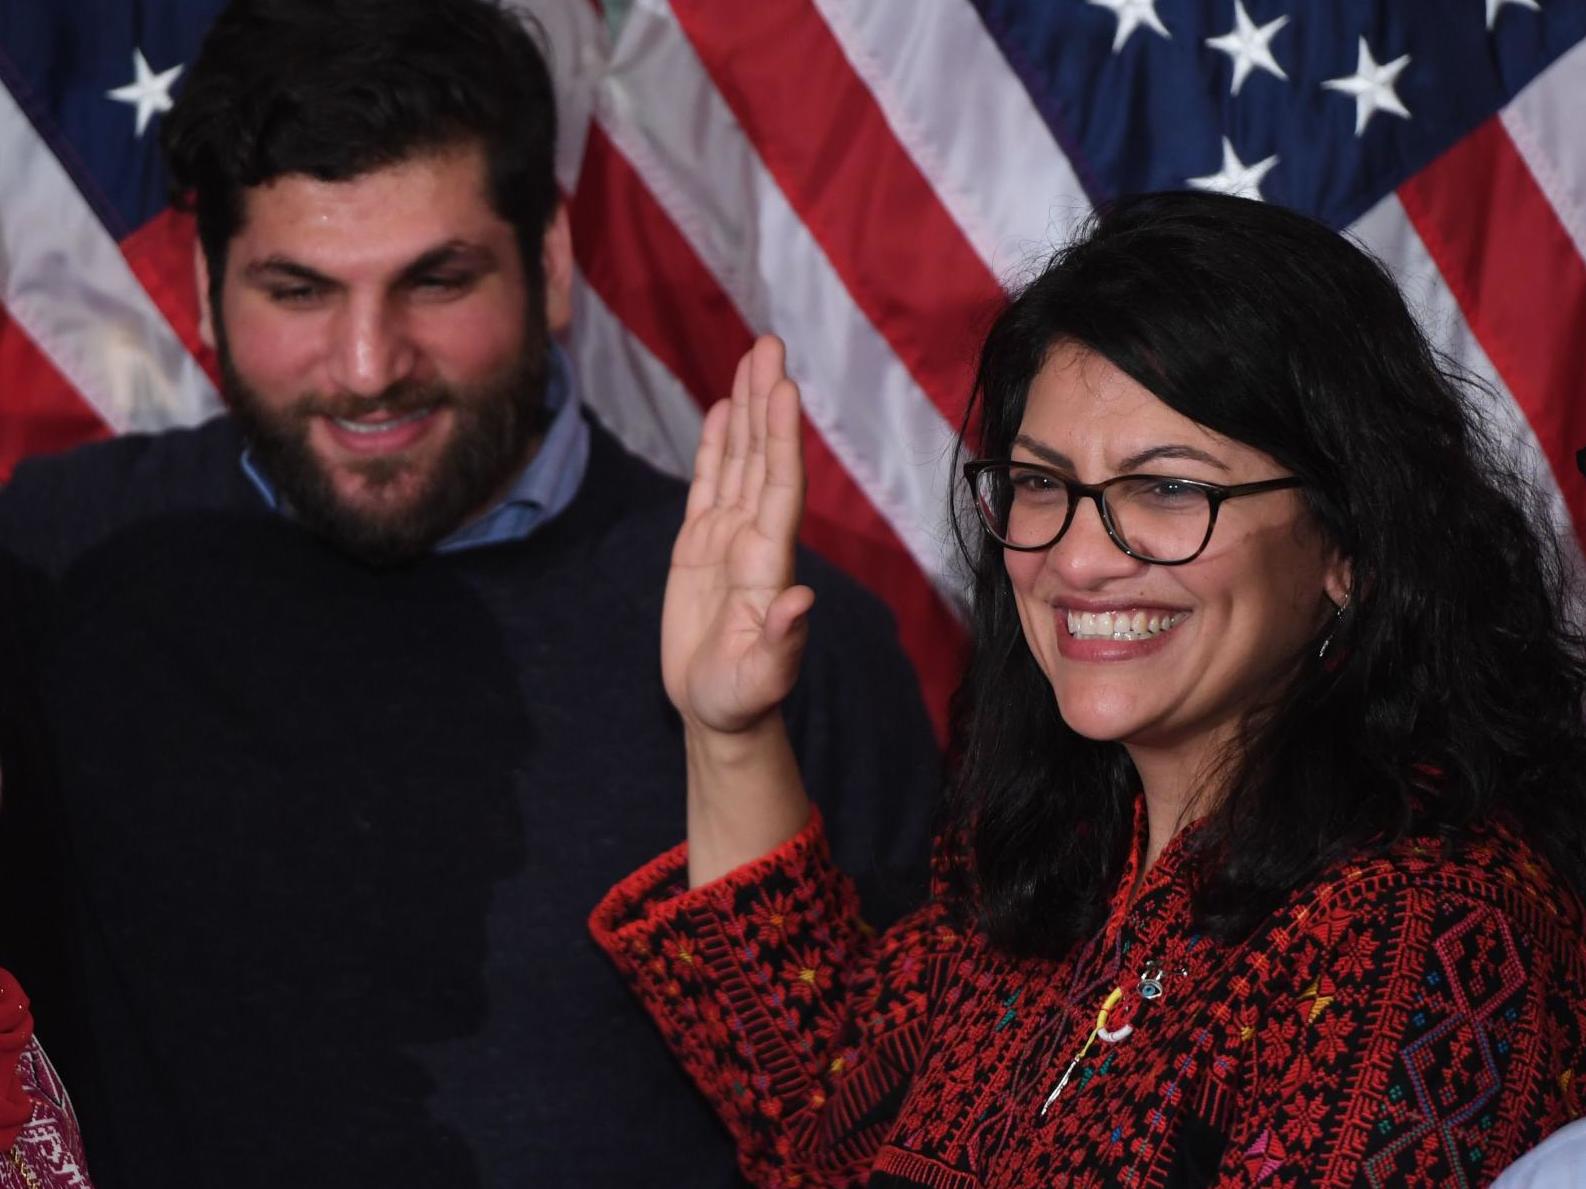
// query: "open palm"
[[733, 627]]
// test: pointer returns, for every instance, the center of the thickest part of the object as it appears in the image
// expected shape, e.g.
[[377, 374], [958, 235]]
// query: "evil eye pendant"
[[1151, 983]]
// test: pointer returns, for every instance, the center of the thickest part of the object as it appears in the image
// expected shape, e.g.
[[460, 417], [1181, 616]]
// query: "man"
[[330, 720]]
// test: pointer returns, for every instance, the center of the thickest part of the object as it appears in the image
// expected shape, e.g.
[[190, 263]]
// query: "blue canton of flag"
[[93, 76], [1323, 107]]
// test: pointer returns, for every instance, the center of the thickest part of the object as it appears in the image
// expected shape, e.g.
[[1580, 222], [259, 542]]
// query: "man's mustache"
[[398, 400]]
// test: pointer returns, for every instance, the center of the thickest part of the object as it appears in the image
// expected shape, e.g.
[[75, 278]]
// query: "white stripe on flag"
[[632, 391], [967, 122], [1386, 232], [65, 281], [705, 174], [1544, 122], [572, 39]]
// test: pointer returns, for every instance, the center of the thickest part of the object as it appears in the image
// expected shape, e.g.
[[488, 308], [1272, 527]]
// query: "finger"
[[755, 464], [774, 664], [782, 501], [730, 486], [767, 363], [787, 615], [767, 360], [708, 459]]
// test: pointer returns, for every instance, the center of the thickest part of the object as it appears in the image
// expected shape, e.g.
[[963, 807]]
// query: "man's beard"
[[493, 424]]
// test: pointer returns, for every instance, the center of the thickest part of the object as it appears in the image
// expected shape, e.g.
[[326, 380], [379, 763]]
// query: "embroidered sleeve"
[[40, 1147], [801, 1026], [1429, 1039], [16, 1035], [48, 1152]]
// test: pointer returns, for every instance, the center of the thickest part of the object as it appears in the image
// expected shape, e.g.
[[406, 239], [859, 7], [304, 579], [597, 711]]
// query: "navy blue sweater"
[[305, 849]]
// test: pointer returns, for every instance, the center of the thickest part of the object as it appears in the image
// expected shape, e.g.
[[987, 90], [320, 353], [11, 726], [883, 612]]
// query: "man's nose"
[[372, 348]]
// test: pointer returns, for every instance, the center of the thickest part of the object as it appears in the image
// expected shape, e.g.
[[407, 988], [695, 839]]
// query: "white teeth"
[[373, 427], [1121, 625]]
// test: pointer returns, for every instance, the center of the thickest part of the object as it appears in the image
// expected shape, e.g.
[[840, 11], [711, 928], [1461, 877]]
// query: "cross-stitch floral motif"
[[1414, 1018]]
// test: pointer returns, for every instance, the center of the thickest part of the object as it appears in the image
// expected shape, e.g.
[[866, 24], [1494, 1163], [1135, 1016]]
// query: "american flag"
[[867, 178]]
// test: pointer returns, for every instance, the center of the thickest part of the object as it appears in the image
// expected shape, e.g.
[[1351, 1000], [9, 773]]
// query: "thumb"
[[786, 617]]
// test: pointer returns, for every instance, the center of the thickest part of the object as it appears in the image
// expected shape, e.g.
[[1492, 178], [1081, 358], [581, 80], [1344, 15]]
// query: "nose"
[[372, 348], [1086, 556]]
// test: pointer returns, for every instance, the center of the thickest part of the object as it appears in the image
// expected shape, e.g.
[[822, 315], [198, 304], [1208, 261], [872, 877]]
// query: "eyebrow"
[[449, 254], [275, 268], [1170, 450], [1045, 453], [1173, 450], [452, 253]]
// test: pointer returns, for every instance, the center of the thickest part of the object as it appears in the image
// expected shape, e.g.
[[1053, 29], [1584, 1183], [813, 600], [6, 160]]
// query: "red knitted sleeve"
[[1428, 1037], [801, 1025]]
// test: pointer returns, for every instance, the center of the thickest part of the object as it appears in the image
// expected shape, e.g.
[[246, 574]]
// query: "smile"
[[1122, 625], [375, 427]]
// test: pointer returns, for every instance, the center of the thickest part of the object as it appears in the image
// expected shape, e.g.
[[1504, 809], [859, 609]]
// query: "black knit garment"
[[297, 854]]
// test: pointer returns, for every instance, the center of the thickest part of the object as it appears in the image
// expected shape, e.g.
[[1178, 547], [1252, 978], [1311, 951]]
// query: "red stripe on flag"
[[648, 275], [824, 138], [843, 526], [160, 254], [644, 270], [1520, 282], [43, 412]]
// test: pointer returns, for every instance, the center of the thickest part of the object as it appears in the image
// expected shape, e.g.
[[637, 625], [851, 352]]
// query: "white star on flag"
[[1235, 177], [1131, 15], [150, 92], [1249, 46], [1494, 5], [1372, 87]]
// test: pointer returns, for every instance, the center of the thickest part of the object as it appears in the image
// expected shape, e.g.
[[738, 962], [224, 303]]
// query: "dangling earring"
[[1321, 653]]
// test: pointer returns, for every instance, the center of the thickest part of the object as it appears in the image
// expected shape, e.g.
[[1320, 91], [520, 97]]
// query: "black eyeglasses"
[[1153, 518]]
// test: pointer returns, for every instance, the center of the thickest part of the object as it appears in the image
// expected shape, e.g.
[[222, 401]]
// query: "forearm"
[[745, 796]]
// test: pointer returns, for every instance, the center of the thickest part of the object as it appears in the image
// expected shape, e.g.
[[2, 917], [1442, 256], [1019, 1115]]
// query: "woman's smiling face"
[[1221, 634]]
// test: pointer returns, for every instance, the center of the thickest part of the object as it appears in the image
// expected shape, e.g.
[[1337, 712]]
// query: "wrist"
[[745, 797], [737, 749]]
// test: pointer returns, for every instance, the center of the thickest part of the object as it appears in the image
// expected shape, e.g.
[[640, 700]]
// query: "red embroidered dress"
[[1413, 1019]]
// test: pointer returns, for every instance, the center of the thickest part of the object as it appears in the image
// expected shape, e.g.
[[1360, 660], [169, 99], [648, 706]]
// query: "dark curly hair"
[[336, 88], [1455, 688]]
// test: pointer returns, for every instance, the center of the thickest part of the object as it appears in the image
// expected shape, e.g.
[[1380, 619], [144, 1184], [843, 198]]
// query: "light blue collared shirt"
[[542, 490]]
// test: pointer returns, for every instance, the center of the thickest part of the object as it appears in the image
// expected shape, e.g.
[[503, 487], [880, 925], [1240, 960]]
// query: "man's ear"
[[206, 315], [556, 264]]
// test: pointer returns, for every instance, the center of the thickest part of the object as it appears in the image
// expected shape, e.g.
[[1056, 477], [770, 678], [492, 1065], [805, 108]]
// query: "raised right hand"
[[733, 627]]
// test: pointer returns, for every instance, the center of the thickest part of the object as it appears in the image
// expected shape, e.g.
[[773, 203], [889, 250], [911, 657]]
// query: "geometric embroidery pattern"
[[1410, 1018]]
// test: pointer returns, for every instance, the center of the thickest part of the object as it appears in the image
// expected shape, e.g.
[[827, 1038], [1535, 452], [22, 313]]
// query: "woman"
[[1265, 844]]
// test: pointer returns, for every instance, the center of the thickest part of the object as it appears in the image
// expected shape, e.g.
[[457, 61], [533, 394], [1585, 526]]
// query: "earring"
[[1321, 653]]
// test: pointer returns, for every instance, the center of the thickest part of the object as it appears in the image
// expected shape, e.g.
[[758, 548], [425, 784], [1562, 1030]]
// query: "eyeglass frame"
[[1216, 495]]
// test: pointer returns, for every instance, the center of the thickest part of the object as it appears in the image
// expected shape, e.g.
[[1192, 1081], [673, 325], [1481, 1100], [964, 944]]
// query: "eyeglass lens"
[[1159, 519]]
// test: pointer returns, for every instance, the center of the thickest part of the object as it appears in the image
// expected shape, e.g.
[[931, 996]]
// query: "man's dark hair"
[[1453, 689], [336, 88]]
